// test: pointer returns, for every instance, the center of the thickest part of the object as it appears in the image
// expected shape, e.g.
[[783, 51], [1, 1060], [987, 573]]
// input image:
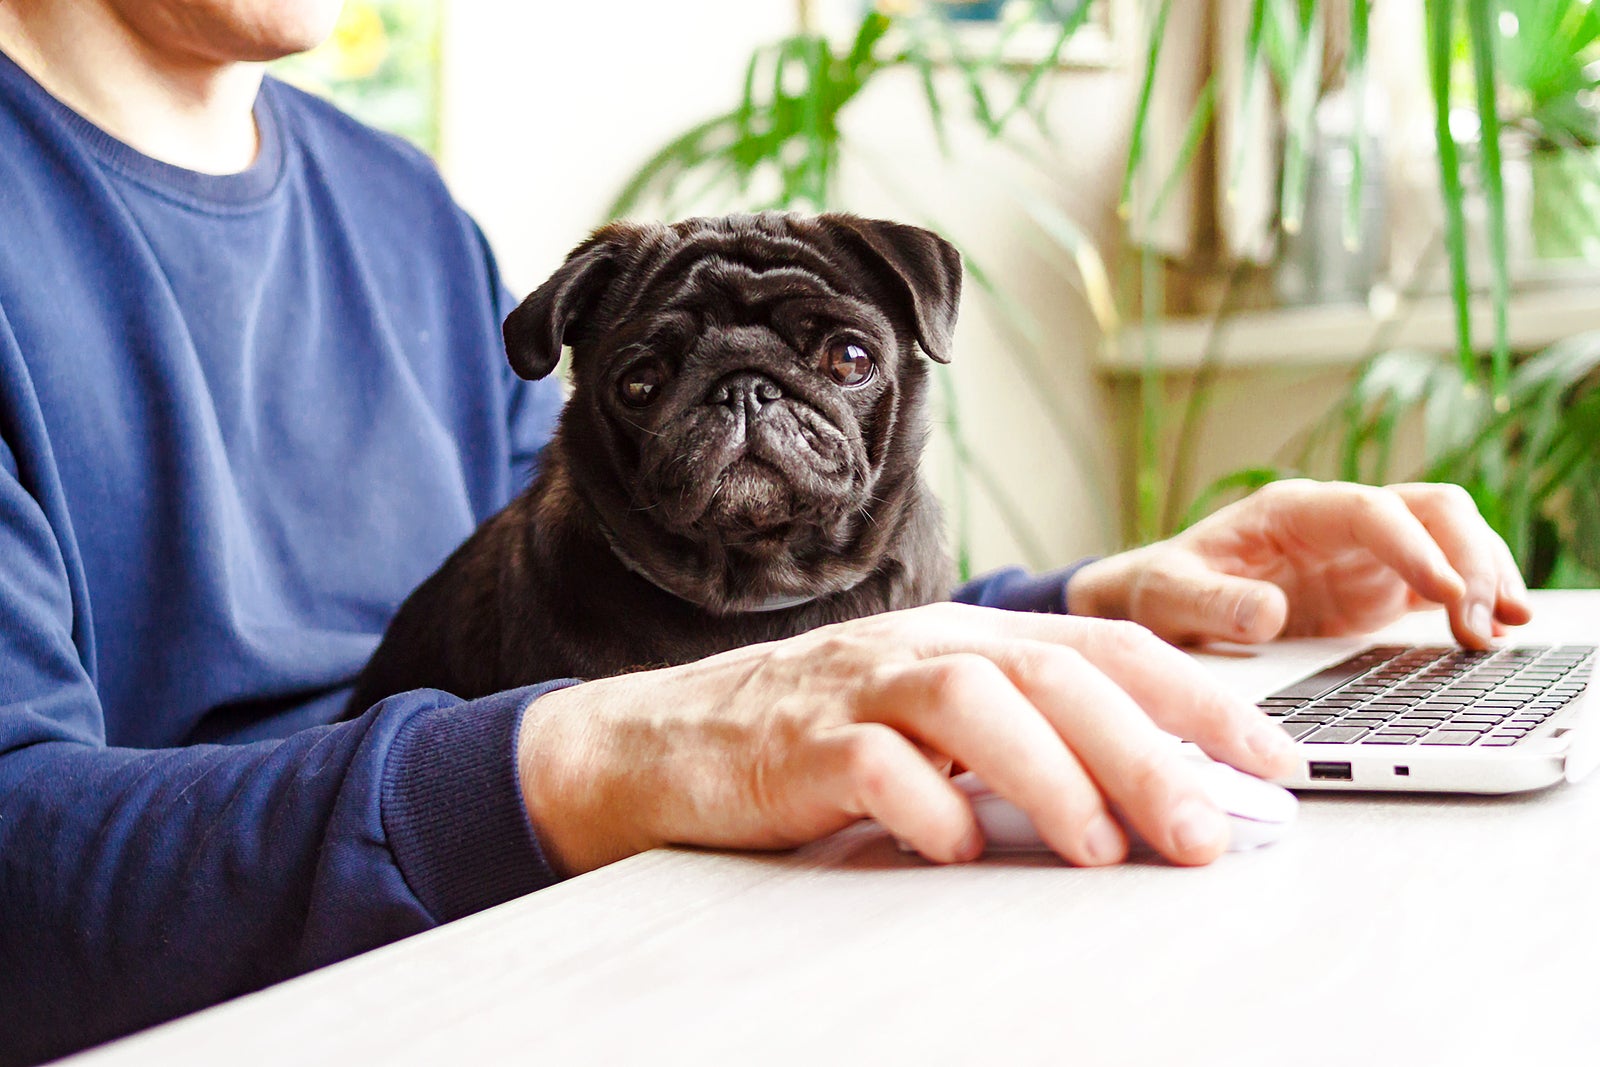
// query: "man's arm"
[[1015, 589], [136, 885]]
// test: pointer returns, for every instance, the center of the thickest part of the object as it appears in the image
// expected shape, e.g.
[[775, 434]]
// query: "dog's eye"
[[849, 364], [641, 383]]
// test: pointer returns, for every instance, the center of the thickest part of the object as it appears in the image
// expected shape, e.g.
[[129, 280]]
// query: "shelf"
[[1343, 334]]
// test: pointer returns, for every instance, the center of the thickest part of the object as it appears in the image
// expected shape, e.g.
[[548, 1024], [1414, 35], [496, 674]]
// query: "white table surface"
[[1384, 929]]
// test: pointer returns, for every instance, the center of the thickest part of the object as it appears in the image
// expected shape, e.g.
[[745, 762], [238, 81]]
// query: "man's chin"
[[253, 31]]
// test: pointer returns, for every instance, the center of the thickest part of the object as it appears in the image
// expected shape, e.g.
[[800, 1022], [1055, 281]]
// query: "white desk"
[[1384, 929]]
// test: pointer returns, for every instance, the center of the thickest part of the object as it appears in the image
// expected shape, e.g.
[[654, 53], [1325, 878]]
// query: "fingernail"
[[1269, 743], [1244, 614], [1480, 622], [1103, 841], [1197, 825]]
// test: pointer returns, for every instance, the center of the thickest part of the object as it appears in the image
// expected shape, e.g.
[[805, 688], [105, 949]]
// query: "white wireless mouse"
[[1258, 811]]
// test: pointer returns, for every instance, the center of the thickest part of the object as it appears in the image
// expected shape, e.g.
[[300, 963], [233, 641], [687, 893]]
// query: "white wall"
[[547, 106]]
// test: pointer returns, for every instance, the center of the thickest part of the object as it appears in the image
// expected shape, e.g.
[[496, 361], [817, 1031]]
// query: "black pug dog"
[[738, 461]]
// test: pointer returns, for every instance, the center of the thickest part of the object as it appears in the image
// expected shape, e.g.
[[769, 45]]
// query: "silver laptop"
[[1443, 719]]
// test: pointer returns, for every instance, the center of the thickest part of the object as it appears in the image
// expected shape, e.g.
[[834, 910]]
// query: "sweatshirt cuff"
[[452, 805], [1014, 589]]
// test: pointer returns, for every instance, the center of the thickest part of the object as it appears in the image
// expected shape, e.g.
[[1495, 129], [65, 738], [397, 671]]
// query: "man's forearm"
[[139, 885]]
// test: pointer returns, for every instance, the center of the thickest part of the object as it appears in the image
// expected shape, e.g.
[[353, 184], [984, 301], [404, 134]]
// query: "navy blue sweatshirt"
[[241, 417]]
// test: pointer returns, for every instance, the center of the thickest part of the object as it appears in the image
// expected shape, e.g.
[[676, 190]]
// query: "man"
[[251, 391]]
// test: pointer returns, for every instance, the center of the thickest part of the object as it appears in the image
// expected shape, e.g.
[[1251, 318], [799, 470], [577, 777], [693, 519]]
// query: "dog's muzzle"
[[745, 392]]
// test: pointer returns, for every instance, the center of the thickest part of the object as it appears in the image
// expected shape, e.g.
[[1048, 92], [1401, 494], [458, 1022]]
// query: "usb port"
[[1330, 772]]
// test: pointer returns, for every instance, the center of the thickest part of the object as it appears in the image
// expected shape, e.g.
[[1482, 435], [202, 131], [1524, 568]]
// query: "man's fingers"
[[880, 774], [1138, 767], [1344, 517], [965, 705], [1182, 698], [1199, 604], [1511, 595], [1177, 693], [1031, 716], [1493, 588]]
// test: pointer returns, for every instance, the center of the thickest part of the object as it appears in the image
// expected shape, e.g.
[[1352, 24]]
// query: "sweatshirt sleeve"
[[138, 884], [1016, 590]]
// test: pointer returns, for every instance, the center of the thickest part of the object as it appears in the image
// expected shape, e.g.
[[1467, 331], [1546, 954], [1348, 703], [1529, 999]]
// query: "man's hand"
[[1315, 559], [774, 745]]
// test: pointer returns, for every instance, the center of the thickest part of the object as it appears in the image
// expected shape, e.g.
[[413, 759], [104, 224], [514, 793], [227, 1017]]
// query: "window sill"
[[1333, 335]]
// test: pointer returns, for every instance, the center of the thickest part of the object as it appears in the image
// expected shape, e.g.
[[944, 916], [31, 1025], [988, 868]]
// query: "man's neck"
[[186, 110]]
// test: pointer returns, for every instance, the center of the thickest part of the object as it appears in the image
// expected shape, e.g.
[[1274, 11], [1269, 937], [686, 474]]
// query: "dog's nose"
[[745, 390]]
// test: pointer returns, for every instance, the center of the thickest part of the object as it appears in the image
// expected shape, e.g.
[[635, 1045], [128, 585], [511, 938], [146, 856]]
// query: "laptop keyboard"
[[1433, 695]]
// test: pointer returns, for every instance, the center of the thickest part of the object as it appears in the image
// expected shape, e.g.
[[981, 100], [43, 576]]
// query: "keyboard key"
[[1389, 739], [1326, 681], [1451, 737], [1336, 735], [1297, 730]]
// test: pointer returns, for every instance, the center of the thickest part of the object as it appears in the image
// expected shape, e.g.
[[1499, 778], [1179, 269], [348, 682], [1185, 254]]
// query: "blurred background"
[[1209, 242]]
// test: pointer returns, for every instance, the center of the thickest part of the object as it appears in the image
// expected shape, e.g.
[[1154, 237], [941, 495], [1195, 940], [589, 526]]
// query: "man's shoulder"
[[339, 138]]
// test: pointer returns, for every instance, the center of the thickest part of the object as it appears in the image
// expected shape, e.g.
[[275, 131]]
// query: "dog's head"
[[748, 395]]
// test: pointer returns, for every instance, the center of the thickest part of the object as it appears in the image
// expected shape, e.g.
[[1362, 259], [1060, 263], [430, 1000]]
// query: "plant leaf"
[[1482, 29], [1441, 23], [1356, 87], [1141, 115]]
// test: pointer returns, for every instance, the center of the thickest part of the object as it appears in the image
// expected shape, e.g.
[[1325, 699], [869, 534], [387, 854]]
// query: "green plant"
[[1550, 81], [1521, 437], [779, 146], [1548, 49], [1545, 444], [1284, 39]]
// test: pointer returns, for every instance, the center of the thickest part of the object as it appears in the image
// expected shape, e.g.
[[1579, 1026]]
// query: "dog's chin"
[[752, 505], [760, 542]]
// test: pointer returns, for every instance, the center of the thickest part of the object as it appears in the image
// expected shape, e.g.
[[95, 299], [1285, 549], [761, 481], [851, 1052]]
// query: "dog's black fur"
[[662, 532]]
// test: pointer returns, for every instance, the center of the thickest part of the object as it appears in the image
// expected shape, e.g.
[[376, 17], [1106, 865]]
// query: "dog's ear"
[[553, 314], [923, 265]]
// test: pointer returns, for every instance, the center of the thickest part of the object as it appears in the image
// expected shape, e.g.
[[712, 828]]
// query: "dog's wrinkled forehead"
[[721, 279], [733, 270], [727, 290]]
